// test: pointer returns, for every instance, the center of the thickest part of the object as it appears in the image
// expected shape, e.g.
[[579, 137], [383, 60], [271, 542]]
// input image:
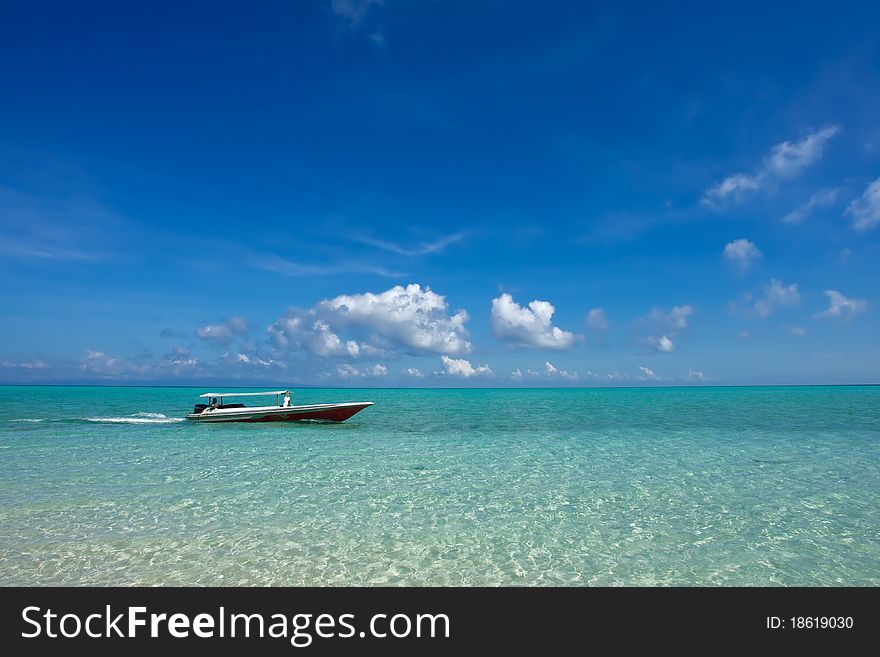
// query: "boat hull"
[[312, 413]]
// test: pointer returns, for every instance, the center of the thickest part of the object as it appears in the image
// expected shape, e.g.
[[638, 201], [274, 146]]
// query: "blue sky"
[[423, 193]]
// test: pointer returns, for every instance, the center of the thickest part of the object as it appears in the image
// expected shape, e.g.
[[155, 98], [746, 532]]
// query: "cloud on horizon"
[[412, 319], [461, 367], [528, 327]]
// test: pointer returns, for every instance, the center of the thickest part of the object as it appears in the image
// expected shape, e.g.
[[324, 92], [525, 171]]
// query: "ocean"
[[636, 486]]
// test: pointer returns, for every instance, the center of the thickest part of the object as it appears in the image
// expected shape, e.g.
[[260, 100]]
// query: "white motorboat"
[[218, 410]]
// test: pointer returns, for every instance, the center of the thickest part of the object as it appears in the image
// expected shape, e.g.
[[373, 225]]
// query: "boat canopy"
[[244, 394]]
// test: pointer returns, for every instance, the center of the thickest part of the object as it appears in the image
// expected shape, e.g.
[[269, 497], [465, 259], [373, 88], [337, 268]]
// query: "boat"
[[217, 410]]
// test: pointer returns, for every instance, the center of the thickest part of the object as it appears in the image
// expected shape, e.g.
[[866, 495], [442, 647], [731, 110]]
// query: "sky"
[[422, 193]]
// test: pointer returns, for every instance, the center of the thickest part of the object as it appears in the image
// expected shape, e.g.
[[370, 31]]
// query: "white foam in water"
[[137, 418], [28, 419]]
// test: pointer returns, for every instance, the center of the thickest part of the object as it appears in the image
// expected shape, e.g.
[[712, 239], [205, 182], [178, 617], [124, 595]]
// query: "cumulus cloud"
[[530, 327], [865, 210], [411, 318], [414, 372], [786, 160], [841, 306], [224, 331], [302, 330], [516, 375], [414, 318], [741, 253], [463, 368], [597, 320], [821, 199], [662, 344], [777, 295], [324, 342]]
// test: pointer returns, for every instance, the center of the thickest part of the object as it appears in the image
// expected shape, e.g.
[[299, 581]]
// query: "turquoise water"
[[716, 486]]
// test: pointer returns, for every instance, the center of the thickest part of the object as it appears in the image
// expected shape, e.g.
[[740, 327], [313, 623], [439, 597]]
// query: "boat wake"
[[28, 419], [137, 418]]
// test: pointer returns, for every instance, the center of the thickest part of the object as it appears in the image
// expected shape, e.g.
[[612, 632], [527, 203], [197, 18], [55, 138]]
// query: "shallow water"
[[717, 486]]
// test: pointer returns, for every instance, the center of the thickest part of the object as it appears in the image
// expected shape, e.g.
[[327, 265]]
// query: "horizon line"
[[319, 387]]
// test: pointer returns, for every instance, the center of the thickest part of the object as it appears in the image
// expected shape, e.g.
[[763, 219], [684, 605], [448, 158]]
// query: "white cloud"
[[786, 160], [777, 295], [28, 365], [553, 372], [734, 186], [821, 199], [693, 375], [463, 368], [597, 320], [662, 344], [530, 326], [324, 342], [414, 372], [102, 364], [414, 319], [516, 375], [789, 159], [248, 359], [224, 331], [841, 306], [316, 336], [865, 210], [346, 371], [675, 320], [741, 253], [799, 331], [648, 373], [665, 325]]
